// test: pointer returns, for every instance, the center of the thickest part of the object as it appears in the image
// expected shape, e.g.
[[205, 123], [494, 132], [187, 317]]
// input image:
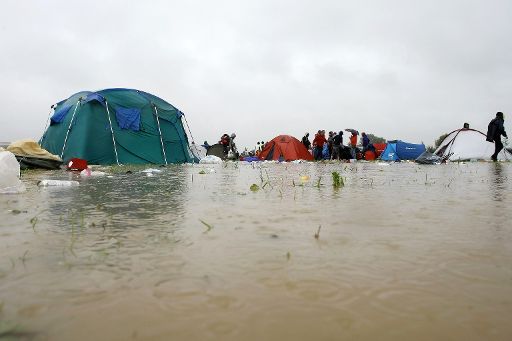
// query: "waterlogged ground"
[[404, 252]]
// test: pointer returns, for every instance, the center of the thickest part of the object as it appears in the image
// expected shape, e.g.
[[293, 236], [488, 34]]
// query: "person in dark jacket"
[[337, 145], [365, 142], [305, 141], [495, 129]]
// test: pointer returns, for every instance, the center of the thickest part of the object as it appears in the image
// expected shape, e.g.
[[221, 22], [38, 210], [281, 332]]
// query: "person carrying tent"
[[305, 141], [495, 129]]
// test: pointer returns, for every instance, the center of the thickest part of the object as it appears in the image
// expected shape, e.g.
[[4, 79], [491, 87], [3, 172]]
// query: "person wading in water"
[[495, 129]]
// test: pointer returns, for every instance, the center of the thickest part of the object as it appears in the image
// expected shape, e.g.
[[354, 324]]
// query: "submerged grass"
[[317, 234], [337, 180], [209, 227]]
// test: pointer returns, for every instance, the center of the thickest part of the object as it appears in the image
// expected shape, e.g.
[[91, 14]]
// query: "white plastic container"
[[10, 182], [57, 183]]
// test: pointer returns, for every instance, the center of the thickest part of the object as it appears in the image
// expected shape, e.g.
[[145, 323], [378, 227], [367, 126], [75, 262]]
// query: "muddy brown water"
[[404, 252]]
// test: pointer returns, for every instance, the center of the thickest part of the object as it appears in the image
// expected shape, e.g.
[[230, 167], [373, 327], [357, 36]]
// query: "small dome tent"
[[285, 148], [468, 144], [399, 150], [122, 126]]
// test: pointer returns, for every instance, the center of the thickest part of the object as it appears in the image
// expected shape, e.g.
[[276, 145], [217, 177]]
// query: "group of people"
[[332, 147]]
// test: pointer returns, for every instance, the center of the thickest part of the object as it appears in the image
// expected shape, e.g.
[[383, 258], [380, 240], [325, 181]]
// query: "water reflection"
[[127, 200], [498, 182]]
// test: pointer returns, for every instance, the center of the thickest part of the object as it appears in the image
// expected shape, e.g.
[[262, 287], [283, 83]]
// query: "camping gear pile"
[[30, 155]]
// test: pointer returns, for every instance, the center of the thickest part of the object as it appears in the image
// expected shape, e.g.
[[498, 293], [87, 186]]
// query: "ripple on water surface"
[[399, 252]]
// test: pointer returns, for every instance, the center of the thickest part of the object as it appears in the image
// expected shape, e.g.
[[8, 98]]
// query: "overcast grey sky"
[[399, 69]]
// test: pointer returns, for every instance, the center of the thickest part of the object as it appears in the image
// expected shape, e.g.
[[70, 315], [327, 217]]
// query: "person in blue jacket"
[[365, 141], [495, 129]]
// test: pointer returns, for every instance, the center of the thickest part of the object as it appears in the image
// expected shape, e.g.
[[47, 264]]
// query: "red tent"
[[285, 148], [379, 148]]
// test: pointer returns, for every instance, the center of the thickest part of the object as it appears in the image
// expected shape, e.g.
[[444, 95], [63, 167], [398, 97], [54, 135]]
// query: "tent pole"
[[188, 127], [52, 109], [112, 131], [160, 132], [69, 128]]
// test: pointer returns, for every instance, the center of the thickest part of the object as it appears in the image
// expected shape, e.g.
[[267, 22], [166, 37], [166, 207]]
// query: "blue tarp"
[[60, 114], [94, 97], [128, 118], [399, 150]]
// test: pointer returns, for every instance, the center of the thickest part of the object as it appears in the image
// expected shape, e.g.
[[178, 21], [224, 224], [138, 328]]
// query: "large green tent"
[[122, 126]]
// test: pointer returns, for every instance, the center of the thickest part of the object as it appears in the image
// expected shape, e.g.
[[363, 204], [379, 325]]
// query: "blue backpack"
[[325, 151]]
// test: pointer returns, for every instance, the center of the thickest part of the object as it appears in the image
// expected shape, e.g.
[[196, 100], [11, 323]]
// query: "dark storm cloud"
[[400, 69]]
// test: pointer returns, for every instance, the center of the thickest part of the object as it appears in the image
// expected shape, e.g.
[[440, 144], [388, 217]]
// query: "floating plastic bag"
[[211, 159], [57, 183], [152, 170], [10, 174]]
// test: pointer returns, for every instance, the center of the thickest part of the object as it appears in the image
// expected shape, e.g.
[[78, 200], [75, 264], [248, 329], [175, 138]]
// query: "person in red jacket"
[[318, 144], [353, 144], [225, 141]]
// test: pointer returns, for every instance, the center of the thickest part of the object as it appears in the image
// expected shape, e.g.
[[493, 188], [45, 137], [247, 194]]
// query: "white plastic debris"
[[89, 172], [151, 170], [57, 183], [10, 182], [210, 159]]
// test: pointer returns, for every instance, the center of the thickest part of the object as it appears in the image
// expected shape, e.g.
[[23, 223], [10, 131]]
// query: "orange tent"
[[285, 148]]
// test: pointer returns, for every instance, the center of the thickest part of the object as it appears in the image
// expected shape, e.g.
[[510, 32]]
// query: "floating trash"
[[151, 170], [211, 159], [57, 183], [10, 182]]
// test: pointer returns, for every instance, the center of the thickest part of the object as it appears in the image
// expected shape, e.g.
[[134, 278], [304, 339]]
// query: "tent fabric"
[[60, 114], [94, 97], [389, 154], [379, 148], [90, 136], [468, 144], [427, 158], [128, 118], [400, 150], [285, 148]]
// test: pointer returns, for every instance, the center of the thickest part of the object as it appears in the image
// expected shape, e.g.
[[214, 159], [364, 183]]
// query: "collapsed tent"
[[285, 148], [468, 144], [122, 126], [30, 155], [399, 150]]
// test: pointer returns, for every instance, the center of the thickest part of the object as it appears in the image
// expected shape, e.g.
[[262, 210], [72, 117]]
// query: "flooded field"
[[261, 252]]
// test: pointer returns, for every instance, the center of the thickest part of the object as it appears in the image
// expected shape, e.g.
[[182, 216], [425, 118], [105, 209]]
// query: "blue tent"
[[398, 150]]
